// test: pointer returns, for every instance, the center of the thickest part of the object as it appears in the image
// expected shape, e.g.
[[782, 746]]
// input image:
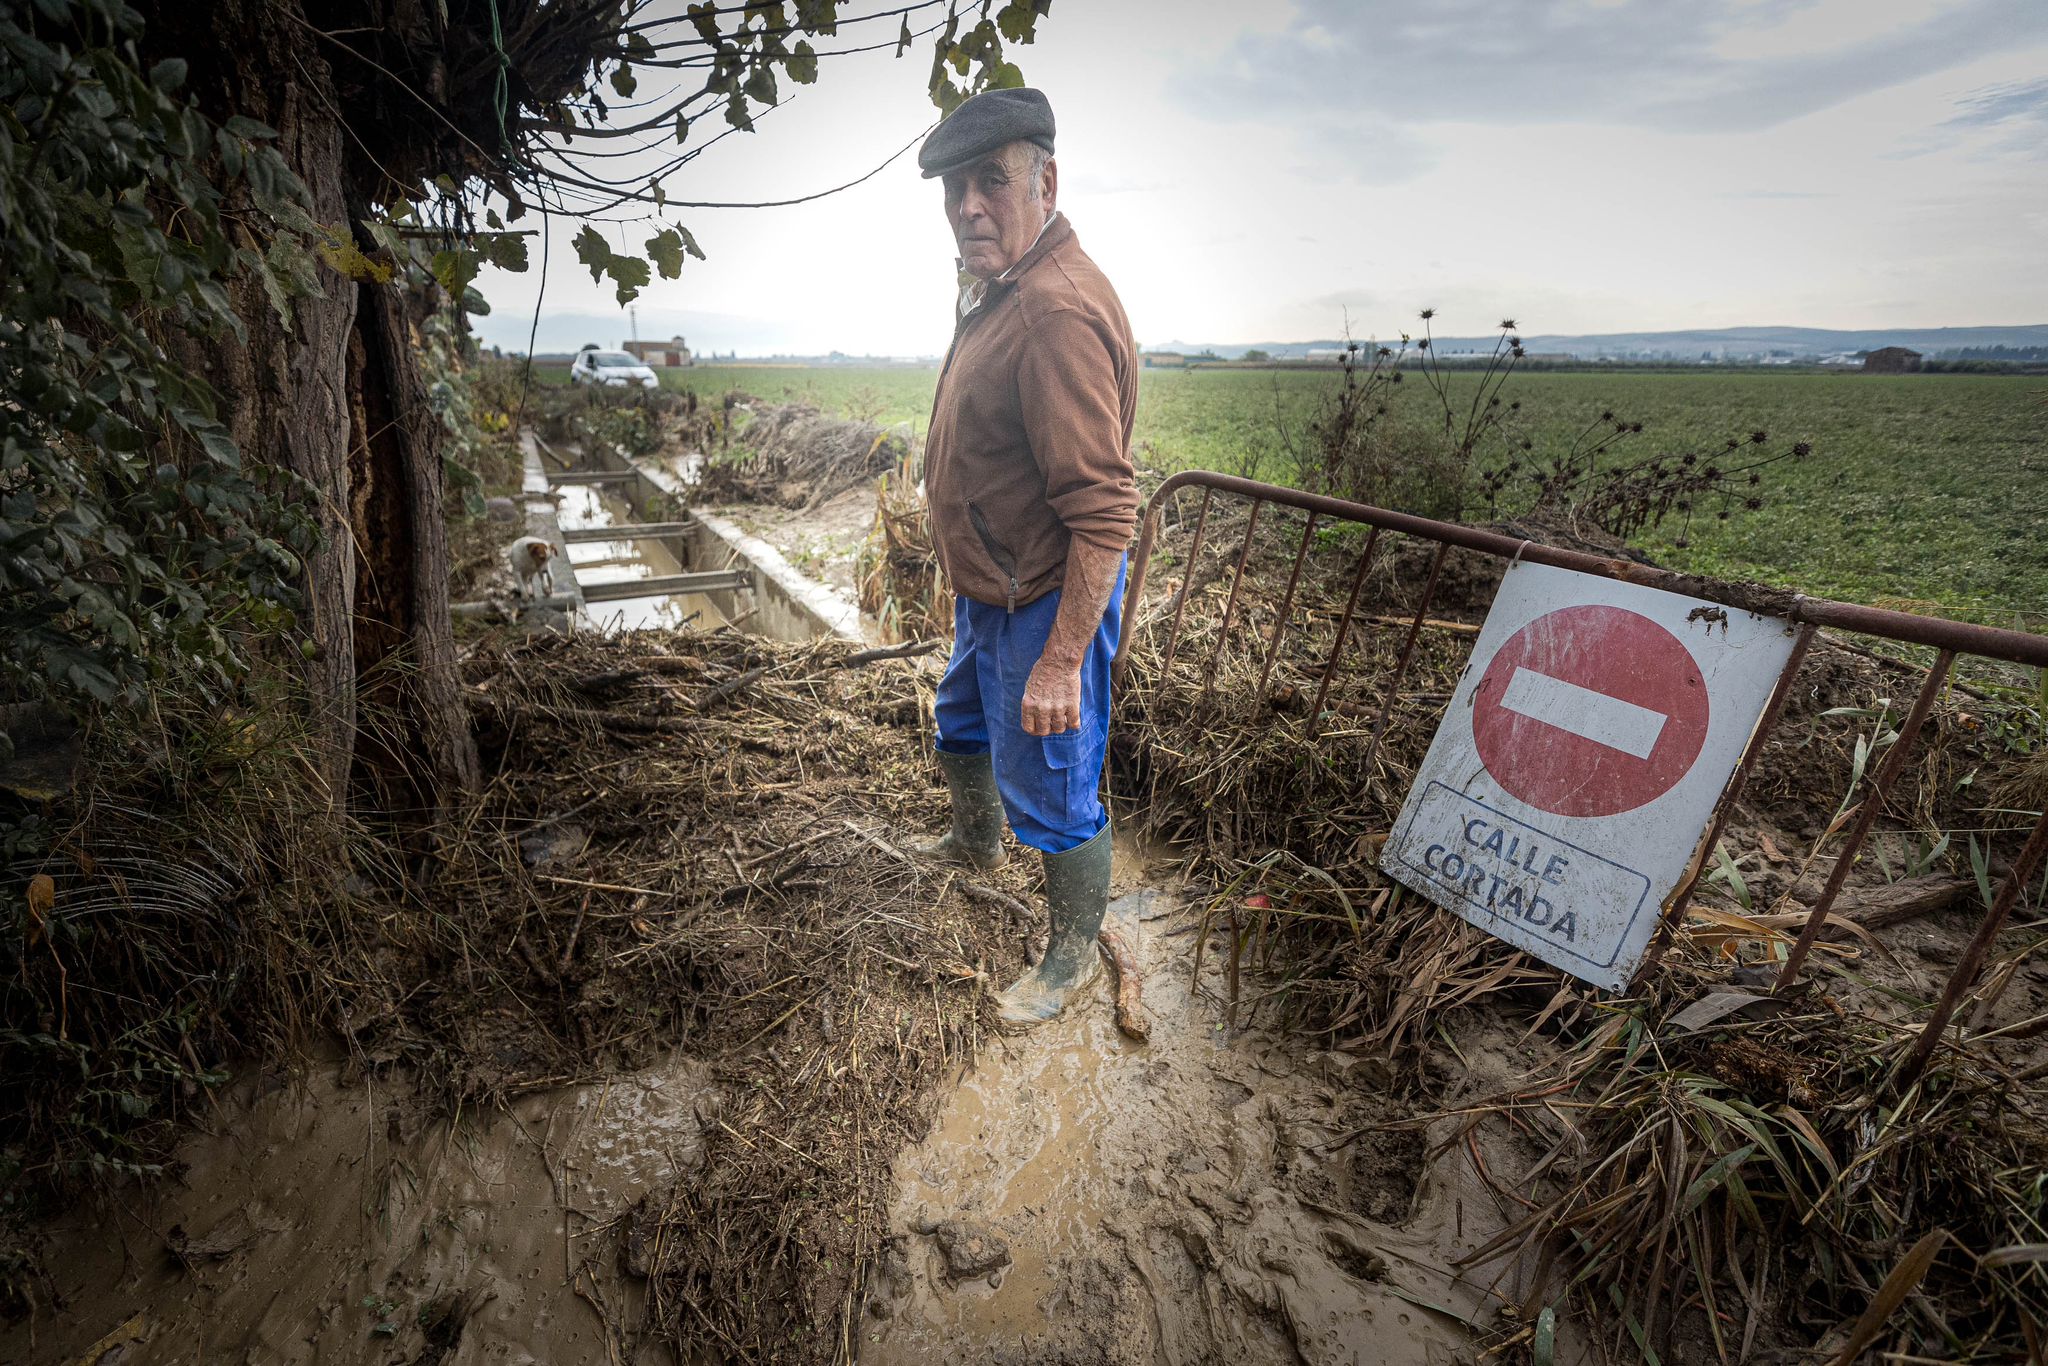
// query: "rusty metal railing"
[[1949, 639]]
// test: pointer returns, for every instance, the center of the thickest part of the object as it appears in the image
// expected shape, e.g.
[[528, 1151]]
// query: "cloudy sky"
[[1249, 172]]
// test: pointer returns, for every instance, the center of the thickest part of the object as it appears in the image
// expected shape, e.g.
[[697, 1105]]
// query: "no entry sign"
[[1580, 760], [1589, 711]]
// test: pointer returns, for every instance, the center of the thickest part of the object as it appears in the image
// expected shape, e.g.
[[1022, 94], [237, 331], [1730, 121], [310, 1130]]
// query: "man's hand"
[[1052, 698], [1052, 694]]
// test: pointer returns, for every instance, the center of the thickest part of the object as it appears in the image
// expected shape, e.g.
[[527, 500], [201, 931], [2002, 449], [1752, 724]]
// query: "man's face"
[[996, 208]]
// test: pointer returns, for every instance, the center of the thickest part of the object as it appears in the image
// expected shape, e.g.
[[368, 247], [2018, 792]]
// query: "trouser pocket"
[[1074, 760]]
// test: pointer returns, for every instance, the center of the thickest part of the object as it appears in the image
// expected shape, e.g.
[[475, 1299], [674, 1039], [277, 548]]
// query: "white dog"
[[528, 557]]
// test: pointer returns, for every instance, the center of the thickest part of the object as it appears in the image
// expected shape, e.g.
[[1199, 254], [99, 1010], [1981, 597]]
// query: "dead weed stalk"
[[901, 586], [1761, 1176]]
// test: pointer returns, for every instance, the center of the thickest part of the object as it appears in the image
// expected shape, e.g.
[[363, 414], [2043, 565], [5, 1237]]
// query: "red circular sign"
[[1590, 711]]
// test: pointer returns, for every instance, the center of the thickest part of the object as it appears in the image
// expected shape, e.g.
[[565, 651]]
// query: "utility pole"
[[633, 312]]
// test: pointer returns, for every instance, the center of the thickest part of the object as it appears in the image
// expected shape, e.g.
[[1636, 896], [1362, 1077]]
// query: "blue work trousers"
[[1052, 784]]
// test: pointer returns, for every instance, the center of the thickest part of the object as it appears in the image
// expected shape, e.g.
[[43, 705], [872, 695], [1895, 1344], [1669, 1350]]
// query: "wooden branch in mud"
[[863, 657], [1002, 901], [852, 661], [1878, 907], [1908, 900], [654, 664], [872, 838], [1130, 983], [1897, 904], [733, 685], [575, 933]]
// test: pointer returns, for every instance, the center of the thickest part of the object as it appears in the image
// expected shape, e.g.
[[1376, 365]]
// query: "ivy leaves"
[[802, 64], [454, 267], [667, 248], [977, 54], [741, 65], [630, 273], [750, 55], [131, 532]]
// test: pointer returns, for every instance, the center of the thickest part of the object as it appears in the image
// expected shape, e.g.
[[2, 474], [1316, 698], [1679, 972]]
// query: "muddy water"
[[1189, 1199], [594, 505], [324, 1223]]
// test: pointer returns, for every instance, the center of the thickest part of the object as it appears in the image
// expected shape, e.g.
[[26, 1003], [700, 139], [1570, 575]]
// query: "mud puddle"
[[1087, 1198], [325, 1222]]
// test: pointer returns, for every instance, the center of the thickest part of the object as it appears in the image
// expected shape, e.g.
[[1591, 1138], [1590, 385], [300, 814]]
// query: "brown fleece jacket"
[[1031, 427]]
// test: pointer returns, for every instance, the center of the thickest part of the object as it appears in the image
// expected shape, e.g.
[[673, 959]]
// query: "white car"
[[613, 369]]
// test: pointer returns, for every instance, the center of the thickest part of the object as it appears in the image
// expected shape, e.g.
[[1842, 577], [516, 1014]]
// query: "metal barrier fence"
[[1948, 638]]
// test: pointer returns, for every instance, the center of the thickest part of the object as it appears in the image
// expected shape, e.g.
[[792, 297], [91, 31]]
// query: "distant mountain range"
[[1724, 343], [721, 333]]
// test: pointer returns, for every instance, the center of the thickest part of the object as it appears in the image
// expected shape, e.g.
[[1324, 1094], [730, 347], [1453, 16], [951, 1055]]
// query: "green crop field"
[[885, 394], [1927, 490]]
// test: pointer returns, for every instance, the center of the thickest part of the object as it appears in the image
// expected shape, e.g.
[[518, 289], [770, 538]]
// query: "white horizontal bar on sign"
[[1594, 716]]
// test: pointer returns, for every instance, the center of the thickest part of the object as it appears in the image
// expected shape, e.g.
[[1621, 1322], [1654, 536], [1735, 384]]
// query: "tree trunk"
[[414, 747], [335, 397], [282, 390]]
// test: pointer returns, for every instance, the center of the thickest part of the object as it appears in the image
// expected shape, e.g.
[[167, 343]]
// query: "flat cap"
[[984, 123]]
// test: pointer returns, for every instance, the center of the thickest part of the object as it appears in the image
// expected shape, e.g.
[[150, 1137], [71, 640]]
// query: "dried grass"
[[743, 892], [1757, 1177], [794, 456], [901, 587], [1763, 1176]]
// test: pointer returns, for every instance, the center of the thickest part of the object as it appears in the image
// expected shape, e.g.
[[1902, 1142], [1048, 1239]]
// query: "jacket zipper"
[[1005, 561]]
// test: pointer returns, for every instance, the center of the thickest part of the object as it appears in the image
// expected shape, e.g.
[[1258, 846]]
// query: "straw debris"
[[743, 891], [686, 840], [1763, 1178], [901, 587], [794, 456], [1756, 1182]]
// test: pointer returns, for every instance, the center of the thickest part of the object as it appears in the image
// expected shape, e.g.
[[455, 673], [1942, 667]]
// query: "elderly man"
[[1032, 500]]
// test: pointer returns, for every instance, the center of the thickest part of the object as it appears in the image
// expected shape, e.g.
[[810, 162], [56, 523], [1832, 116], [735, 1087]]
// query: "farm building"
[[673, 352], [1163, 358], [1891, 360]]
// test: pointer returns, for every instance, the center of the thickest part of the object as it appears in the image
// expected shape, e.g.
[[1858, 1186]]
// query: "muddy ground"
[[741, 1102], [333, 1216], [823, 542], [1081, 1197]]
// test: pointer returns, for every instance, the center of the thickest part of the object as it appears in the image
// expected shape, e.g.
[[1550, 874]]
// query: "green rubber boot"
[[1077, 890], [976, 838]]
